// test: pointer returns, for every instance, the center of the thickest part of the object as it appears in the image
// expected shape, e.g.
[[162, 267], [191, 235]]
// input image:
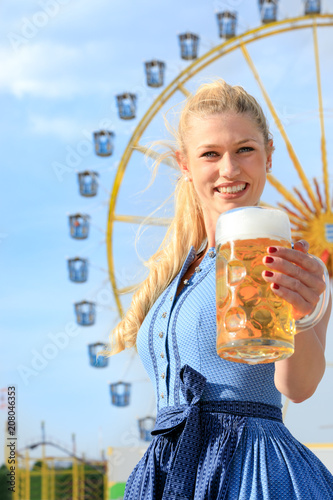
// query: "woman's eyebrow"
[[242, 141], [246, 140], [205, 146]]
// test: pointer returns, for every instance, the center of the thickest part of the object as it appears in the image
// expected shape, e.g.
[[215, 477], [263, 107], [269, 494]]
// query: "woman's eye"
[[246, 149], [210, 154]]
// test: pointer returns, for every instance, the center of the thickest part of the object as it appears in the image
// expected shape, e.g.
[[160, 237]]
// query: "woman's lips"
[[232, 191]]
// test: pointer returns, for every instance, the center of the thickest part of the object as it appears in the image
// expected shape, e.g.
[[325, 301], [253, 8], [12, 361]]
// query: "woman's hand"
[[295, 276], [298, 278]]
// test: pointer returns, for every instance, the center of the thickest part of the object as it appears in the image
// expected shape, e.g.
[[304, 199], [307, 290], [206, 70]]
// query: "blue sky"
[[63, 62]]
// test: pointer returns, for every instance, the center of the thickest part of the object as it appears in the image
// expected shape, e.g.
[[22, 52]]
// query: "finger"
[[299, 276], [303, 260], [296, 256], [301, 307], [302, 246], [307, 297]]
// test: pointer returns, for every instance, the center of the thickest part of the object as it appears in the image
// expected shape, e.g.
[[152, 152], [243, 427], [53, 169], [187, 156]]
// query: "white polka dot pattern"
[[242, 458], [188, 325]]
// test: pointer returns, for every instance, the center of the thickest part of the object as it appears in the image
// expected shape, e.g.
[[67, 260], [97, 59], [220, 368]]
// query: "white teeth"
[[233, 189]]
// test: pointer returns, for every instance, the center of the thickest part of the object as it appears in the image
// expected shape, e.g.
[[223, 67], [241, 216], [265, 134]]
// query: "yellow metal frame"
[[48, 474], [321, 115], [178, 84]]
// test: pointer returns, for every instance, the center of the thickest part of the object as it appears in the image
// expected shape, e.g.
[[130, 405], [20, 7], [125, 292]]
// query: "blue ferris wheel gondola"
[[189, 43], [126, 103], [312, 7], [155, 73], [120, 393], [146, 425], [227, 24], [103, 140], [268, 10], [95, 360], [85, 313], [79, 226], [78, 269], [88, 183]]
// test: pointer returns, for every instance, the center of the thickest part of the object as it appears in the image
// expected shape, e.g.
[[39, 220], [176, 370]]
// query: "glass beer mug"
[[253, 324]]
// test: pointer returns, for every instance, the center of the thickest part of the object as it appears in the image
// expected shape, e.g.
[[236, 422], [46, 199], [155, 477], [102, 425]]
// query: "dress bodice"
[[181, 330]]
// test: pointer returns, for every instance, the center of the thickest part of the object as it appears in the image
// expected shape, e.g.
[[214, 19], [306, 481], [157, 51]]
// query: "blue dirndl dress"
[[219, 433]]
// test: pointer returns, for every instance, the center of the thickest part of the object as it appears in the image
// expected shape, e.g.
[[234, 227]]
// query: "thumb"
[[302, 246]]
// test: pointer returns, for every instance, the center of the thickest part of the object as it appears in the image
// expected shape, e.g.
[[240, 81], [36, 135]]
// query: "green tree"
[[5, 494]]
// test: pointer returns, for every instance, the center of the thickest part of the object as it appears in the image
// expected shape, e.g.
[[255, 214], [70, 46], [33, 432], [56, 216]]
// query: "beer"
[[253, 324]]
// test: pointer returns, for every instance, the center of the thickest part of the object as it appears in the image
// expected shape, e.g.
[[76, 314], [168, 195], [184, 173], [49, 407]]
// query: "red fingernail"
[[269, 260], [268, 274], [275, 286], [272, 249]]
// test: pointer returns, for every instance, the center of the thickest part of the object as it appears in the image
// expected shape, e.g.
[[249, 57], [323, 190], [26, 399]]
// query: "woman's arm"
[[298, 376], [300, 282]]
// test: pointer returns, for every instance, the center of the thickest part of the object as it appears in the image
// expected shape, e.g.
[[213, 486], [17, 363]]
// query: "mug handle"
[[310, 320]]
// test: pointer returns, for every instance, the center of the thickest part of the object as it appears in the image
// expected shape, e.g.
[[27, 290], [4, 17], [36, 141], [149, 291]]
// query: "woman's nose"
[[228, 166]]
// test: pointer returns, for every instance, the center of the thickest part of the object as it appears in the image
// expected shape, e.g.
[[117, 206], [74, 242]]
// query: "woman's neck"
[[210, 231]]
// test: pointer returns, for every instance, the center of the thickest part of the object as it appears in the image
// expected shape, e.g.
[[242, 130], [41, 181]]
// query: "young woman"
[[219, 432]]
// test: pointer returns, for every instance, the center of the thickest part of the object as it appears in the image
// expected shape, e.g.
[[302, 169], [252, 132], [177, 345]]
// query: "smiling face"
[[227, 161]]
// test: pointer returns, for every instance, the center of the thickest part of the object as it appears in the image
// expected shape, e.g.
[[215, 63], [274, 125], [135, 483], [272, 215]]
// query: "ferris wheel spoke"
[[303, 200], [300, 225], [321, 115], [281, 129], [318, 192], [149, 221], [289, 196], [294, 217], [184, 90], [154, 155], [228, 46]]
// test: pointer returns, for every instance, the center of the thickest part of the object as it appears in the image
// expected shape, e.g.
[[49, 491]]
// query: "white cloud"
[[50, 70], [33, 68]]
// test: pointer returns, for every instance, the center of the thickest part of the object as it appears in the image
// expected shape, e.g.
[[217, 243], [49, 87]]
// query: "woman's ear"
[[270, 149], [182, 163]]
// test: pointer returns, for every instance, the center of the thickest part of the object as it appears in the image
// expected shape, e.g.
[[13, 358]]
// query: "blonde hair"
[[187, 227]]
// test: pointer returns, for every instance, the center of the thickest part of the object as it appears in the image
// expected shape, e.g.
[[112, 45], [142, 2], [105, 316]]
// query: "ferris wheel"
[[308, 203], [311, 219]]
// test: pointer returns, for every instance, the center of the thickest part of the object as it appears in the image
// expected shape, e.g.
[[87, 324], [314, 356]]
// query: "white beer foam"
[[252, 222]]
